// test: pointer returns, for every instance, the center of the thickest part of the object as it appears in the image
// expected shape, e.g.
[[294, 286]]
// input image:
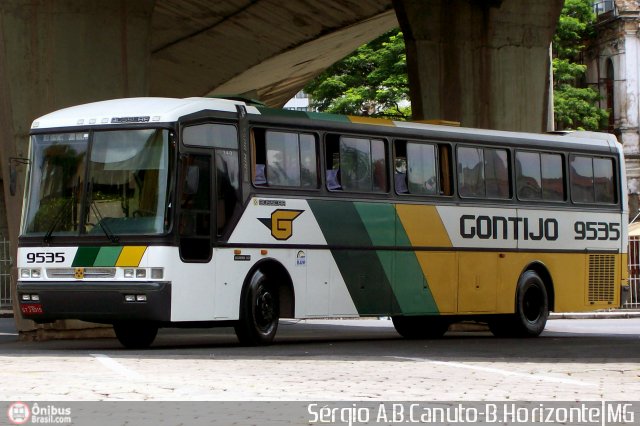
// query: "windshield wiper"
[[113, 238], [56, 220]]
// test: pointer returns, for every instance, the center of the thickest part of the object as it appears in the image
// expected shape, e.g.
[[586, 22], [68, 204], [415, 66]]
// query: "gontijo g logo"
[[281, 223]]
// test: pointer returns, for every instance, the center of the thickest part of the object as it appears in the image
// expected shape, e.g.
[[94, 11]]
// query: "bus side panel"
[[192, 284], [381, 281]]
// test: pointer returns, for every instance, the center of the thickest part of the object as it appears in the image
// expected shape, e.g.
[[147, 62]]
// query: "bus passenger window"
[[308, 161], [470, 172], [361, 165], [496, 170], [603, 180], [332, 160], [582, 179], [421, 167], [355, 164], [552, 177], [379, 164], [528, 180], [592, 180], [284, 159]]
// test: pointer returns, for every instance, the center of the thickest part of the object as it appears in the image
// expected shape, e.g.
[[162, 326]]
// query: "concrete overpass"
[[481, 62]]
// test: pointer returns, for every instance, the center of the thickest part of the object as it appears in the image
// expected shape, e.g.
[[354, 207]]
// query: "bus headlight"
[[30, 273], [128, 273]]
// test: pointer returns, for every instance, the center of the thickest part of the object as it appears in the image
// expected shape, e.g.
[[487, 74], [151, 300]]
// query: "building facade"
[[613, 67]]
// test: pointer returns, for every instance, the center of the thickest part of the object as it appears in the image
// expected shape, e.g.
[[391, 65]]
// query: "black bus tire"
[[532, 305], [135, 335], [259, 312]]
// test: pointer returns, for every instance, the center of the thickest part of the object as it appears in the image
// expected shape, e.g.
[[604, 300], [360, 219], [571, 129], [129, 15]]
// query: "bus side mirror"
[[191, 180], [13, 173]]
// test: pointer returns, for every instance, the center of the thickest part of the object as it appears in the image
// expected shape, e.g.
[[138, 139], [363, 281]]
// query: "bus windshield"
[[100, 182]]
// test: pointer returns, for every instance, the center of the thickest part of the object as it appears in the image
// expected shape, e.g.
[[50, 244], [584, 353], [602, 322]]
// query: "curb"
[[596, 315]]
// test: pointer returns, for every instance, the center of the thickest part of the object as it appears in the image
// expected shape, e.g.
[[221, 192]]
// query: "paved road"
[[332, 360]]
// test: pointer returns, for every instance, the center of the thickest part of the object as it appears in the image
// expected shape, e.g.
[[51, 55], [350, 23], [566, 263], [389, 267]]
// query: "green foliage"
[[372, 81], [574, 27], [575, 107]]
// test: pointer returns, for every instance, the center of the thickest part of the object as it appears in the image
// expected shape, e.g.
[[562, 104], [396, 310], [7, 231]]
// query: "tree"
[[372, 81], [575, 105]]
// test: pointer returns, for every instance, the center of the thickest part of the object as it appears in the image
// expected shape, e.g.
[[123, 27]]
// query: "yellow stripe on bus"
[[423, 225], [371, 120], [131, 256]]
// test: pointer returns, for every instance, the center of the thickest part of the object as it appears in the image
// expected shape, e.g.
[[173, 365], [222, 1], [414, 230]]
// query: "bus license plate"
[[31, 308]]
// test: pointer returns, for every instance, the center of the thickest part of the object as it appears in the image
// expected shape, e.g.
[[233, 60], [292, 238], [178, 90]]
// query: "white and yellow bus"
[[153, 212]]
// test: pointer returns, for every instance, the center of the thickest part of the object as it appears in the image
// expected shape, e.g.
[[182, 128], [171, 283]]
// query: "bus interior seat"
[[333, 179], [400, 180], [260, 178]]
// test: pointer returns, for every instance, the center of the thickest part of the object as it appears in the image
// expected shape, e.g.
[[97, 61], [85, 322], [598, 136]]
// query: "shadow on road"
[[377, 340]]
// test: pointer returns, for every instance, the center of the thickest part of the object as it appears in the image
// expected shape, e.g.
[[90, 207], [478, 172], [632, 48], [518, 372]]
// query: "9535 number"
[[45, 257], [597, 231]]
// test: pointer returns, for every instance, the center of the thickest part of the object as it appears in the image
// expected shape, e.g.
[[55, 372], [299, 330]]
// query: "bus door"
[[194, 223], [210, 188]]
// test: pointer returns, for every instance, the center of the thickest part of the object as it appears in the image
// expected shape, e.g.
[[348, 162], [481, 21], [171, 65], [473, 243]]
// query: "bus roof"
[[165, 110], [134, 110]]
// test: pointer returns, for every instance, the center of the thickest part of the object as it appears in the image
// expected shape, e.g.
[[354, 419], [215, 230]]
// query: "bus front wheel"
[[259, 312], [135, 335], [420, 327], [532, 310]]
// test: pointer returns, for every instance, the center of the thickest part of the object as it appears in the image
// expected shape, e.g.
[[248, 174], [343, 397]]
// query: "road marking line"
[[537, 377], [115, 366]]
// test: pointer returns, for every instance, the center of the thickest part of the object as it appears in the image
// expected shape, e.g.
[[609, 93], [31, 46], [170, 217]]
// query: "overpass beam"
[[484, 63]]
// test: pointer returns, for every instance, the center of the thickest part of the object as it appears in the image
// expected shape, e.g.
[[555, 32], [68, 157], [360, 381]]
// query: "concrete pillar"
[[484, 63], [60, 53]]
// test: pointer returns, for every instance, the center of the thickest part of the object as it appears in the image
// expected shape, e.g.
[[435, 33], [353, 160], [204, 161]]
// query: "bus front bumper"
[[103, 302]]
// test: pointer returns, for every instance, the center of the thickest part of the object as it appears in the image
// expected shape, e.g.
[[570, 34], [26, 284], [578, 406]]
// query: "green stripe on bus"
[[107, 256], [85, 256], [361, 269], [402, 268], [328, 117]]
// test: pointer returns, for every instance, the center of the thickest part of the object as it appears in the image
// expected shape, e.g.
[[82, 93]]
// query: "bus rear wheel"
[[420, 327], [532, 310], [135, 335], [259, 312]]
